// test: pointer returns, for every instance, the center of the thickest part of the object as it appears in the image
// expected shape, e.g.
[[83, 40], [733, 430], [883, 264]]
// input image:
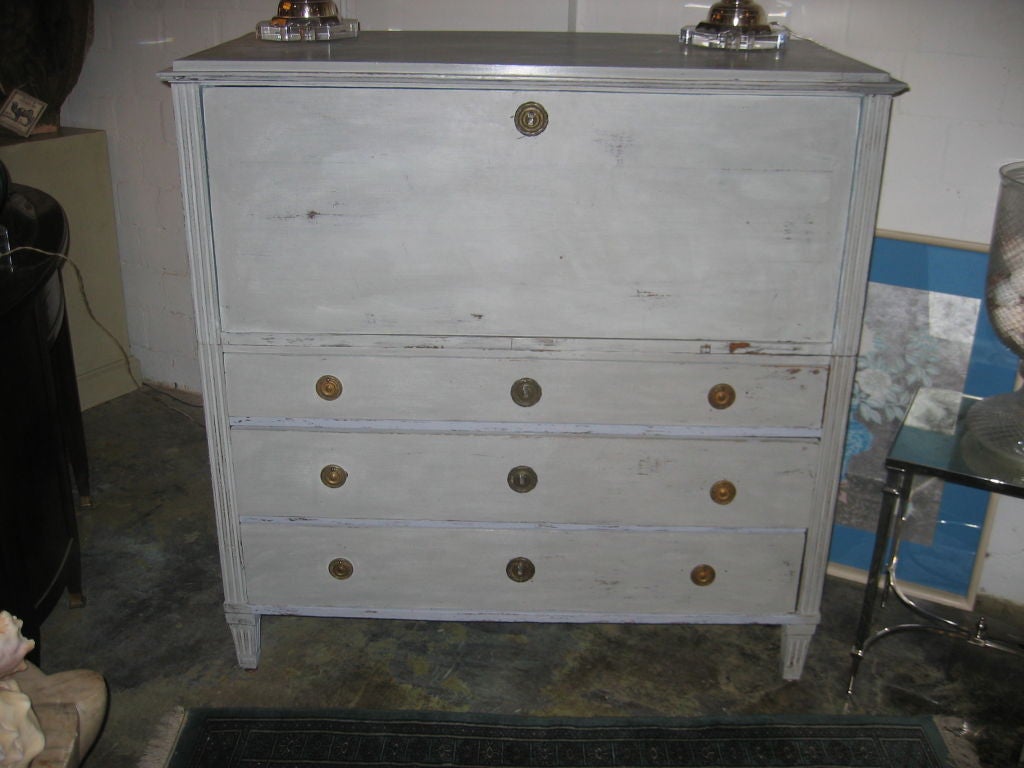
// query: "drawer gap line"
[[322, 522], [390, 426]]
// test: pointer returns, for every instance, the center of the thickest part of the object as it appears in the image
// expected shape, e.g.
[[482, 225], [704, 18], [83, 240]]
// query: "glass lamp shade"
[[998, 421]]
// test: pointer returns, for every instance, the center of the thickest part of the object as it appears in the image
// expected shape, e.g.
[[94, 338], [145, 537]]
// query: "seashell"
[[21, 737], [13, 645]]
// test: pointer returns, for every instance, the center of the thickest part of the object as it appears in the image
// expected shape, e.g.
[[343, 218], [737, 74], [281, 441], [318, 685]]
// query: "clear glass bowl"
[[998, 421]]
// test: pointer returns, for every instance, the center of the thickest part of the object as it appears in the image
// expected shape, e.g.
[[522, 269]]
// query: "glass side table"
[[933, 440]]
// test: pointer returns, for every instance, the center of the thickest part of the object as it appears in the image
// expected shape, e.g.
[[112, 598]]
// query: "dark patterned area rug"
[[255, 738]]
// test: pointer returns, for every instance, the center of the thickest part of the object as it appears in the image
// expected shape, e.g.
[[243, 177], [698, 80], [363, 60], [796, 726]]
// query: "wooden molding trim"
[[942, 242]]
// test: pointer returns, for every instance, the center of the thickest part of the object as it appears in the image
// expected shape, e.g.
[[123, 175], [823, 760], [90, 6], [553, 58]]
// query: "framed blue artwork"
[[925, 325]]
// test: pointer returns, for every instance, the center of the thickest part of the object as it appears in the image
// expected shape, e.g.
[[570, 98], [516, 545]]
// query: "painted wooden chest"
[[527, 326]]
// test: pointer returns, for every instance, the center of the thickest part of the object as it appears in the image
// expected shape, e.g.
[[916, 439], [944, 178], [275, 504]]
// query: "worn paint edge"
[[548, 617]]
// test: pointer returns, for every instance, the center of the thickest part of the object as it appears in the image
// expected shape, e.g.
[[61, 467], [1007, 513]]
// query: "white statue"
[[21, 737], [14, 646], [60, 713]]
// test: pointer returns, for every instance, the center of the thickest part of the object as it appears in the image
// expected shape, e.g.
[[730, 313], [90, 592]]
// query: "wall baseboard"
[[106, 382]]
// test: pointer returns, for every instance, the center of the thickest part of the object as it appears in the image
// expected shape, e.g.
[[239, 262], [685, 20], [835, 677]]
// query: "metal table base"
[[933, 440]]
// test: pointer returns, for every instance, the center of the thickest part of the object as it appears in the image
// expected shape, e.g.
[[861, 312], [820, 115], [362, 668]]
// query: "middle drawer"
[[529, 479]]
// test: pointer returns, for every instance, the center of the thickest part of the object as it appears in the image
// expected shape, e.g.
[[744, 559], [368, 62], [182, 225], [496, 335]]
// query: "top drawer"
[[632, 215], [747, 393]]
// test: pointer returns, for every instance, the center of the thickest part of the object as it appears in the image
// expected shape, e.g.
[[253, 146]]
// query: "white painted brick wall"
[[961, 120], [526, 15]]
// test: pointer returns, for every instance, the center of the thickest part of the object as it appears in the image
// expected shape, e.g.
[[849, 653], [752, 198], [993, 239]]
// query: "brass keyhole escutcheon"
[[520, 569], [721, 396], [723, 492], [525, 392], [702, 575], [333, 476], [340, 568], [531, 118], [328, 387], [522, 479]]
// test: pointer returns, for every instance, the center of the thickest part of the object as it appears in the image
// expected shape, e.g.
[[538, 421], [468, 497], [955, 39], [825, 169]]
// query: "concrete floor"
[[153, 626]]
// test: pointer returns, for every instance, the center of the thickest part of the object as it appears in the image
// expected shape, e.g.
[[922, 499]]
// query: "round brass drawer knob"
[[531, 119], [328, 387], [340, 568], [520, 569], [333, 476], [723, 492], [702, 575], [522, 479], [525, 392], [721, 396]]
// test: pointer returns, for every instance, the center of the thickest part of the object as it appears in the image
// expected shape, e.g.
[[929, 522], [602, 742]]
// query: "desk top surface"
[[530, 55]]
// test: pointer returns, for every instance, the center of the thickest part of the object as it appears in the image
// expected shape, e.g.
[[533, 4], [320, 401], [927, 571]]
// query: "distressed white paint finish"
[[614, 573], [596, 480], [769, 392], [685, 220], [649, 350], [192, 157], [596, 227]]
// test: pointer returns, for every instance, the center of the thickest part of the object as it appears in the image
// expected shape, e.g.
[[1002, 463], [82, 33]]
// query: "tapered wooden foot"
[[245, 629], [796, 642]]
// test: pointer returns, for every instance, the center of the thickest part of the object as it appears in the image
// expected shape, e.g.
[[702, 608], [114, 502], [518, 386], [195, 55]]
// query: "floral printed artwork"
[[912, 338], [924, 326]]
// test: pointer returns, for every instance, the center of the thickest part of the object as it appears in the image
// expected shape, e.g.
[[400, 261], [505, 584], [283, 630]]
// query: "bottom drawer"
[[615, 574]]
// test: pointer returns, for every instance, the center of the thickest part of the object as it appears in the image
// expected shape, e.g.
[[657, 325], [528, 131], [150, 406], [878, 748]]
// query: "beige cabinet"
[[72, 167], [529, 327]]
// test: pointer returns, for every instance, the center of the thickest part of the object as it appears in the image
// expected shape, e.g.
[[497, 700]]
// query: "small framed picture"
[[21, 112]]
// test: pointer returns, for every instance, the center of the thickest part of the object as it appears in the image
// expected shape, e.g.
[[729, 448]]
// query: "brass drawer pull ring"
[[526, 392], [522, 479], [531, 119], [328, 387], [340, 568], [520, 569], [333, 476], [702, 575], [721, 396], [723, 492]]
